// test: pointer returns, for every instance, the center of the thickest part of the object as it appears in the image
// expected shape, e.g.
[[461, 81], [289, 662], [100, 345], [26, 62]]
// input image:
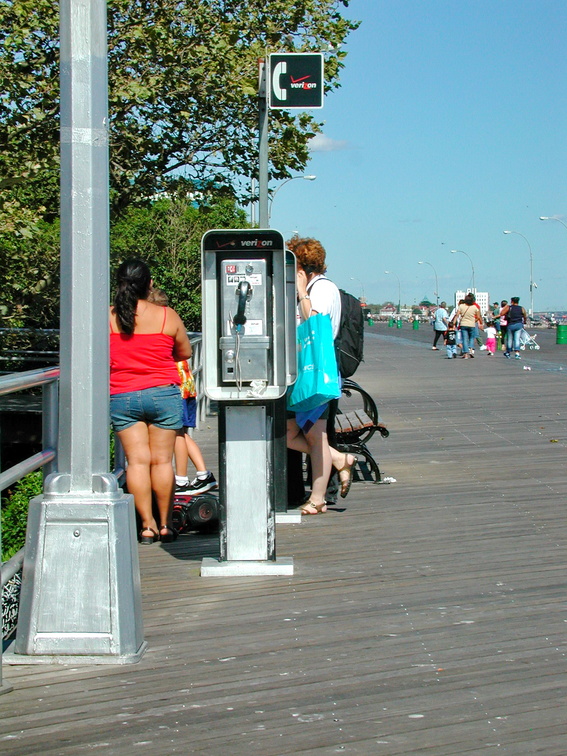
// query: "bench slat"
[[351, 422]]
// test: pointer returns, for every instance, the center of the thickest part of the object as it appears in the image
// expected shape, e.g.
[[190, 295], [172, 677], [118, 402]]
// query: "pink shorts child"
[[491, 345]]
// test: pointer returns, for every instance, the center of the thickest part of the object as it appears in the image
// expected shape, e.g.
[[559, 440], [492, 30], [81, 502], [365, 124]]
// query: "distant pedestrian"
[[476, 339], [503, 322], [440, 323], [516, 318], [454, 318], [469, 319], [451, 341], [491, 334]]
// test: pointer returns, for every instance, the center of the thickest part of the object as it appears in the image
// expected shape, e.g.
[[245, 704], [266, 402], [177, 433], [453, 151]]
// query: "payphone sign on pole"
[[296, 81]]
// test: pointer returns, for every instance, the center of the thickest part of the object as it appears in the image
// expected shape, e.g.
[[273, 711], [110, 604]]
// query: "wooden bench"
[[356, 422]]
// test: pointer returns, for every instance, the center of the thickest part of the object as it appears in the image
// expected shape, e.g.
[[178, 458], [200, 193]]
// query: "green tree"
[[29, 274], [182, 92], [168, 236]]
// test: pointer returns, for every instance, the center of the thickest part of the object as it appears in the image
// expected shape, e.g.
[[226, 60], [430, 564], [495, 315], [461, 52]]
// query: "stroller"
[[527, 341]]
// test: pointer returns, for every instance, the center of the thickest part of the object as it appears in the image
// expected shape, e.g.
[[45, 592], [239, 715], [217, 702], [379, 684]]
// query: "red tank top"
[[141, 360]]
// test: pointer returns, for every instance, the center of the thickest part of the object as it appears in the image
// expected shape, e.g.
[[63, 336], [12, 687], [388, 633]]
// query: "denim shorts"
[[160, 406]]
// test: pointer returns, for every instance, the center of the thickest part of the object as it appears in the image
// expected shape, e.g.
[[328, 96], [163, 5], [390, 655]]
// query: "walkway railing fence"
[[46, 459]]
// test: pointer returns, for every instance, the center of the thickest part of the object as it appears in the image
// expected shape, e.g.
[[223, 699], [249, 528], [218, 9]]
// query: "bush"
[[15, 512]]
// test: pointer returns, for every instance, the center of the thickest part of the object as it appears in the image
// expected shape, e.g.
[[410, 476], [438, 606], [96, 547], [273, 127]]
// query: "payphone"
[[245, 316], [248, 363]]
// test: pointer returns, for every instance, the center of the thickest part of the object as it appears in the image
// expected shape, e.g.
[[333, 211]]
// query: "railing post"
[[50, 422]]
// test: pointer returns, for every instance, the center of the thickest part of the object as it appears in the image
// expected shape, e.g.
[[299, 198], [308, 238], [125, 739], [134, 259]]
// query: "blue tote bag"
[[317, 375]]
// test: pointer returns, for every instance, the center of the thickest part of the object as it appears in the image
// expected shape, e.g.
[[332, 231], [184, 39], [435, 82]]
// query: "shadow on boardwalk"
[[427, 617]]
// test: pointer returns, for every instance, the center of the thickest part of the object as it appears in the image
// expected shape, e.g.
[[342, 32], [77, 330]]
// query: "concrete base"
[[213, 568], [287, 518], [10, 657]]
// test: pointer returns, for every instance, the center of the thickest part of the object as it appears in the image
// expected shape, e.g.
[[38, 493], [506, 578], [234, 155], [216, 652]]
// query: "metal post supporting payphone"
[[248, 364]]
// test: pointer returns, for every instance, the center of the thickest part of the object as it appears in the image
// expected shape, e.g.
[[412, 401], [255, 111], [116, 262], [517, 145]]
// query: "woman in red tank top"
[[146, 341]]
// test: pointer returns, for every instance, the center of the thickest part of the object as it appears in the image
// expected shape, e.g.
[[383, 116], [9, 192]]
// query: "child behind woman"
[[491, 336], [451, 341], [185, 446]]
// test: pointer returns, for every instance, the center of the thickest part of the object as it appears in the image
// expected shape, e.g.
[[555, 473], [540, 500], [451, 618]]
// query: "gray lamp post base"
[[80, 599]]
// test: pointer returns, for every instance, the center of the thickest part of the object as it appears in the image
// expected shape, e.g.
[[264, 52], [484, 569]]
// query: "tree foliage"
[[167, 236], [14, 512], [182, 93]]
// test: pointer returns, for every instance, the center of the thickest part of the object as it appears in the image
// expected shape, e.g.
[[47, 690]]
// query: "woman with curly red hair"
[[307, 432]]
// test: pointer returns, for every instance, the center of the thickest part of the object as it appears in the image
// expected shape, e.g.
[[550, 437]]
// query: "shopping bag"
[[317, 374]]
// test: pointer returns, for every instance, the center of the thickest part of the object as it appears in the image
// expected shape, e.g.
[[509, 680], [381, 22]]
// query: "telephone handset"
[[244, 291]]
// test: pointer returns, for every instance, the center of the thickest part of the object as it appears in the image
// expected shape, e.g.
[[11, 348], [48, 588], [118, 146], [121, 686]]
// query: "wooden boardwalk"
[[424, 617]]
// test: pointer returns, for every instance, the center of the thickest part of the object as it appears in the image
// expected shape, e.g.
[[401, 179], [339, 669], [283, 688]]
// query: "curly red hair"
[[310, 254]]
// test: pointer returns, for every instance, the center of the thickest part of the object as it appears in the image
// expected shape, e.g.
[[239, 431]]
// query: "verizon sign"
[[296, 81]]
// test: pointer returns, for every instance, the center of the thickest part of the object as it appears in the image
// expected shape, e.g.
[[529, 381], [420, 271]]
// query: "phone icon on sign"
[[279, 70]]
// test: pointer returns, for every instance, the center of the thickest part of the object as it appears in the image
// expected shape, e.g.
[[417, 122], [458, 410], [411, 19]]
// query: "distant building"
[[482, 298], [388, 310]]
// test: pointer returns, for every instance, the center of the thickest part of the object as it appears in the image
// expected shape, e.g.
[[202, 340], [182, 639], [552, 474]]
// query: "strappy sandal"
[[347, 482], [168, 537], [146, 539], [308, 506]]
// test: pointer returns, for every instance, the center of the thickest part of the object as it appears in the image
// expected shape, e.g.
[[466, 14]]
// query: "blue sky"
[[449, 128]]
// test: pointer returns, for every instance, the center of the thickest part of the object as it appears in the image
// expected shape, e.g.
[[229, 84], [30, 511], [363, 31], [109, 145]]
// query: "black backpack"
[[349, 344]]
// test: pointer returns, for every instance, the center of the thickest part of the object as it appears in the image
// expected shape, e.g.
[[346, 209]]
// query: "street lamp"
[[362, 297], [531, 270], [390, 273], [553, 217], [436, 292], [471, 262], [292, 178]]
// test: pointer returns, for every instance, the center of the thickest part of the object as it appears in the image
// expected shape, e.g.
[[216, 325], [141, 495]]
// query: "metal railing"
[[10, 582], [48, 379]]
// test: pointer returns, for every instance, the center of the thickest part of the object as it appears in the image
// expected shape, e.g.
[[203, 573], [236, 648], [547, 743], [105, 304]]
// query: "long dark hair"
[[133, 281]]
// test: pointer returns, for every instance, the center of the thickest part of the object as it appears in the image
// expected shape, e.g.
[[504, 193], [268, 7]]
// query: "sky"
[[448, 129]]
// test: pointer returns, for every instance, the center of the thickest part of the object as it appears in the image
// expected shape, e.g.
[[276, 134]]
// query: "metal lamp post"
[[531, 270], [292, 178], [81, 599], [362, 297], [391, 273], [471, 262], [436, 292]]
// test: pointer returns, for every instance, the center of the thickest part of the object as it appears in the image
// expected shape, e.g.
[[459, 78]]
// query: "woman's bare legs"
[[162, 442], [136, 444], [149, 452], [323, 457]]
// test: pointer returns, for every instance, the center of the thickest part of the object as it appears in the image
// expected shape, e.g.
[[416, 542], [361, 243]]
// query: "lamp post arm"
[[552, 217]]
